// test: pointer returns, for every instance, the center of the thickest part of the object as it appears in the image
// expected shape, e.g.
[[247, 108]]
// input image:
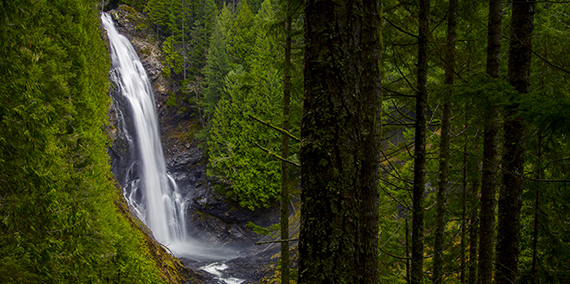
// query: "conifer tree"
[[443, 177], [217, 62], [490, 148], [420, 147], [243, 34], [514, 129], [249, 174]]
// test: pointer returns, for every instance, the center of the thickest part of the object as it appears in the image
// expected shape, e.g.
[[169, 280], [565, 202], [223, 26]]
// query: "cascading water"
[[150, 191], [162, 206]]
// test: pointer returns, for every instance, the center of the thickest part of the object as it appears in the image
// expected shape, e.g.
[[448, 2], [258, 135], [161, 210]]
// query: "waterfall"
[[162, 206], [149, 190]]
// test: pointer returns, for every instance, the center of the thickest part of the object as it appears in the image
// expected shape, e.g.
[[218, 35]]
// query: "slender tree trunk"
[[473, 230], [510, 199], [490, 152], [285, 149], [340, 154], [536, 212], [420, 148], [463, 215], [183, 41], [441, 199], [408, 278]]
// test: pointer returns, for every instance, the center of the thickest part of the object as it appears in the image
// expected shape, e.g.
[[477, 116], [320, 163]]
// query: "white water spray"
[[153, 195]]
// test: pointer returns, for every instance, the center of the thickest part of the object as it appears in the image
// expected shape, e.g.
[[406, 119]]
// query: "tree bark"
[[441, 199], [510, 198], [420, 148], [285, 148], [490, 152], [464, 215], [473, 229], [539, 176], [340, 152], [408, 278]]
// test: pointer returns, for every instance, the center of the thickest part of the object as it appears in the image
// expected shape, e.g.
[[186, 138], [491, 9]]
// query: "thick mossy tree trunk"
[[340, 147], [490, 152], [441, 199], [510, 199], [420, 147]]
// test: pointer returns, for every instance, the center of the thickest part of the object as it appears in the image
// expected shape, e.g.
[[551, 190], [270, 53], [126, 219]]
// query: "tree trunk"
[[444, 145], [490, 144], [473, 229], [408, 278], [285, 149], [420, 148], [463, 215], [183, 41], [510, 199], [539, 176], [340, 154]]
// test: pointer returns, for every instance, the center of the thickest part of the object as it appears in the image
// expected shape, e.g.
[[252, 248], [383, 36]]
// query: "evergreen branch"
[[276, 156], [402, 73], [396, 93], [399, 28], [388, 159], [522, 176], [396, 152], [394, 198], [394, 256], [281, 130], [546, 166], [402, 113], [547, 180], [390, 238]]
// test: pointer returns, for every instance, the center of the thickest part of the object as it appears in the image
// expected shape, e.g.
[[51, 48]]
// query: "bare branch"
[[282, 131], [275, 242], [276, 156]]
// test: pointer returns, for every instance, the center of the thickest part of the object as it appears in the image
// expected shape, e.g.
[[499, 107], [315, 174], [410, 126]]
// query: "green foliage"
[[261, 230], [243, 34], [251, 176], [172, 59], [172, 100], [244, 172], [485, 91], [217, 65], [199, 35], [59, 223]]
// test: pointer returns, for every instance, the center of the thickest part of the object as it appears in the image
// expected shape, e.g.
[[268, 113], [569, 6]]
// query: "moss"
[[128, 9], [140, 22], [141, 27], [171, 269]]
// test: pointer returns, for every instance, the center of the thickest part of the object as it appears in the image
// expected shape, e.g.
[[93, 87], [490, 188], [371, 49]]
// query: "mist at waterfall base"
[[149, 190]]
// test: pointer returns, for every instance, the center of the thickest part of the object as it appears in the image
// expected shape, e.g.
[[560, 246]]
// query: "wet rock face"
[[138, 29], [212, 217]]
